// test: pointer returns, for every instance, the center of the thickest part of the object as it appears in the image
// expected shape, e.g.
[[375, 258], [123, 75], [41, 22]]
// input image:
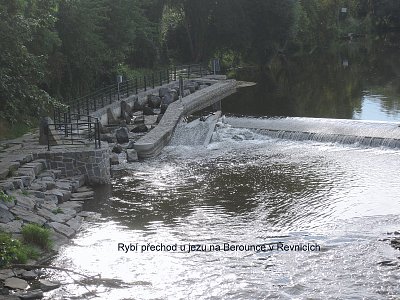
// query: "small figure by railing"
[[74, 130]]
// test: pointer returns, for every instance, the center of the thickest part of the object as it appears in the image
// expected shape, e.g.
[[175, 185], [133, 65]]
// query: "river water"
[[245, 189]]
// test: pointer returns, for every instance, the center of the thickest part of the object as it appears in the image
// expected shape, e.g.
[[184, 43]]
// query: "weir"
[[152, 144], [366, 133]]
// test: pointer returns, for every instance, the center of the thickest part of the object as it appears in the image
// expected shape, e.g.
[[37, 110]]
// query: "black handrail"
[[73, 129], [107, 95]]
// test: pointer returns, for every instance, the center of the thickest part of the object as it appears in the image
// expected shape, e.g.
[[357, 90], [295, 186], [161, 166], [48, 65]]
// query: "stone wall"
[[94, 164]]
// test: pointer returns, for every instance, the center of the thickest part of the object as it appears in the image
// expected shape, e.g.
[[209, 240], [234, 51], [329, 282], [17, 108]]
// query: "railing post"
[[136, 85], [79, 106], [87, 106], [145, 83], [95, 103], [59, 119], [152, 79], [160, 78], [90, 128], [47, 132], [98, 132], [110, 95], [65, 125]]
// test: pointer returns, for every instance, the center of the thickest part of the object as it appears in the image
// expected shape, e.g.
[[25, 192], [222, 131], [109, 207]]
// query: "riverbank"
[[31, 193]]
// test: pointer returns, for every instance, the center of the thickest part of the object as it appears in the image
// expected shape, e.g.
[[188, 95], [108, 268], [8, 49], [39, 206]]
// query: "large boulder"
[[110, 117], [163, 91], [154, 101], [122, 135], [5, 215], [125, 110], [175, 94]]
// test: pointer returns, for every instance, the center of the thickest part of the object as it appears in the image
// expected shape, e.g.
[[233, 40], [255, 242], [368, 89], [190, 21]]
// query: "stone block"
[[23, 201], [5, 215], [11, 227], [49, 215], [7, 186], [37, 167], [15, 283], [131, 155], [27, 216], [26, 180], [63, 229]]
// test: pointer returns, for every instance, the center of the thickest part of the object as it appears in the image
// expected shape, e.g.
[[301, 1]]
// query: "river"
[[247, 188]]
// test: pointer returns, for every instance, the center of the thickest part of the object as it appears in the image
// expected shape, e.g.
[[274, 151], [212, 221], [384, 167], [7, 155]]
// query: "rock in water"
[[131, 155], [47, 285], [122, 135], [15, 283]]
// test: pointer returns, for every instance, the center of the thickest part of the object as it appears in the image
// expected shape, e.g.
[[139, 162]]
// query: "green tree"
[[86, 56], [23, 56]]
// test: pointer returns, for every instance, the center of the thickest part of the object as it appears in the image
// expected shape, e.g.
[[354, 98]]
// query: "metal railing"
[[74, 130], [73, 124], [115, 92]]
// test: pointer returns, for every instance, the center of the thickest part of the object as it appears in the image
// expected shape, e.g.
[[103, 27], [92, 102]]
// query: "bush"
[[37, 235], [13, 251]]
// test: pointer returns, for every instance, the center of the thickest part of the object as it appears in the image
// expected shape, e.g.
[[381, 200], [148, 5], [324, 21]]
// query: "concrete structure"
[[152, 144]]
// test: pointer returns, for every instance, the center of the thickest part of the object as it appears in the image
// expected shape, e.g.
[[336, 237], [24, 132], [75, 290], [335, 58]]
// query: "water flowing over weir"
[[366, 133]]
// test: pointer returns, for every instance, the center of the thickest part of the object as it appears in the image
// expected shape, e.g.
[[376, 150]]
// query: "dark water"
[[246, 188], [359, 81]]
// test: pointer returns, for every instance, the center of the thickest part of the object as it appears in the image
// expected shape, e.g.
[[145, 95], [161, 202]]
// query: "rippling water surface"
[[246, 188]]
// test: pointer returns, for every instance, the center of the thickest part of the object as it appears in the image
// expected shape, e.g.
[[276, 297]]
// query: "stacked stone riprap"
[[39, 196]]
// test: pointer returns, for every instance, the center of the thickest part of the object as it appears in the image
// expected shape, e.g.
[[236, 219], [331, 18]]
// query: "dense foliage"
[[53, 50]]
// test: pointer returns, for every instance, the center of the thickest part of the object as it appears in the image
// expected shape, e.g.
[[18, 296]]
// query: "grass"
[[37, 235], [57, 211], [6, 198], [25, 193], [13, 251]]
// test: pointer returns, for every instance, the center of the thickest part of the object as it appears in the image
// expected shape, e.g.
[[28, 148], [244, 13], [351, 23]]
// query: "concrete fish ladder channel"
[[151, 144]]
